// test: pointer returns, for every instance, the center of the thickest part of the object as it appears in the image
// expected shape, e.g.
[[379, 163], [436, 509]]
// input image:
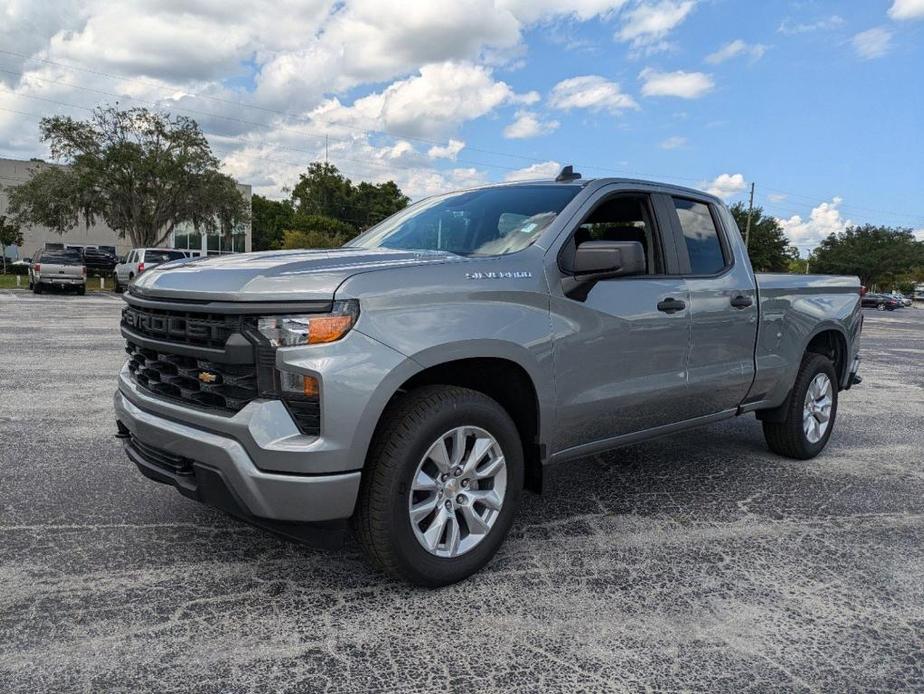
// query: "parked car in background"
[[20, 267], [141, 259], [881, 302], [417, 379], [99, 260], [58, 268], [905, 300]]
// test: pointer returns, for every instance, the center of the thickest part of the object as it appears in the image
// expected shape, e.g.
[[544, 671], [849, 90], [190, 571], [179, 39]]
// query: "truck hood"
[[274, 275]]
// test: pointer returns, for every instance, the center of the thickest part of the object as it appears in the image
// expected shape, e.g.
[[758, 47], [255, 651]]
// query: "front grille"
[[185, 327], [208, 360], [191, 380]]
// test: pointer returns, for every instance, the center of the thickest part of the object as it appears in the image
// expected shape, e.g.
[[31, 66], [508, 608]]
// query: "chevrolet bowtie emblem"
[[207, 377]]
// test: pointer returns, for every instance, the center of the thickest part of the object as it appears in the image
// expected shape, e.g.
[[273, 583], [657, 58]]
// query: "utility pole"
[[325, 149], [747, 231]]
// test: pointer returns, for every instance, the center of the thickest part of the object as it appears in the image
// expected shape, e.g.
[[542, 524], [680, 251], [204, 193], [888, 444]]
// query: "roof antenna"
[[567, 174]]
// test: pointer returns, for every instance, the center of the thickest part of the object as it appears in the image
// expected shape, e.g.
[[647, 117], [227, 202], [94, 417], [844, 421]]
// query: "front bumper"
[[154, 443]]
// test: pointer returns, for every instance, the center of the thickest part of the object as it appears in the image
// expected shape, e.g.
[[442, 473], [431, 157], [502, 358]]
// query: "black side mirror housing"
[[593, 261]]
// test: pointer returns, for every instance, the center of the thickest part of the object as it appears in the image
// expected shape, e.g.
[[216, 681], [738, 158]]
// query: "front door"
[[620, 351]]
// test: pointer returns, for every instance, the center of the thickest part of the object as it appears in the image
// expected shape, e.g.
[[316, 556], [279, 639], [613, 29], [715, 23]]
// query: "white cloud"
[[907, 9], [674, 142], [686, 85], [735, 48], [449, 151], [872, 43], [529, 11], [790, 28], [725, 185], [547, 169], [529, 124], [435, 101], [776, 197], [592, 92], [647, 24], [366, 41], [823, 220], [918, 234]]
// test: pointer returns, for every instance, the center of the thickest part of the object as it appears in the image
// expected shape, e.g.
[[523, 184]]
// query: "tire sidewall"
[[812, 367], [417, 561]]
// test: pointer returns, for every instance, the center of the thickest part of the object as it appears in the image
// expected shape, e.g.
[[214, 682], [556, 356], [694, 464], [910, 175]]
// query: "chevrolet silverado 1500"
[[417, 379]]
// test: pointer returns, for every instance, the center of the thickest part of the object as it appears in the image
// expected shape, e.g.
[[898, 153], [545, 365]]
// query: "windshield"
[[490, 221]]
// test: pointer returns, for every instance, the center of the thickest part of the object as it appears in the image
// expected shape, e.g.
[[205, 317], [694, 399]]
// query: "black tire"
[[82, 290], [407, 429], [37, 288], [118, 287], [787, 438]]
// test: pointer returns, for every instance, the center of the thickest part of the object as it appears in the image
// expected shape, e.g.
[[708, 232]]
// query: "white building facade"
[[14, 172]]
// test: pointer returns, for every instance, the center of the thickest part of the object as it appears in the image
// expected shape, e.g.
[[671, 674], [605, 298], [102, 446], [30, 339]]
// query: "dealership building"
[[14, 172]]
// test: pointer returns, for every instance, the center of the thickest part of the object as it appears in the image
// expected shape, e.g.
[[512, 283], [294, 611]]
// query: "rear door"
[[122, 269], [620, 351], [723, 304]]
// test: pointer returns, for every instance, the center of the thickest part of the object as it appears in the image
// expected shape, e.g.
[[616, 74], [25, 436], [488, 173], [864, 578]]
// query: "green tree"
[[326, 192], [141, 172], [879, 256], [316, 231], [269, 218], [768, 247], [10, 235]]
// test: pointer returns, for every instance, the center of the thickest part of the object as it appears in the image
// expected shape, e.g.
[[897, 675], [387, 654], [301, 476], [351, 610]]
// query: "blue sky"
[[820, 103]]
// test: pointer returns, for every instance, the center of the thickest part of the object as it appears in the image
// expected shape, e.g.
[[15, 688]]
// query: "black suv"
[[99, 260]]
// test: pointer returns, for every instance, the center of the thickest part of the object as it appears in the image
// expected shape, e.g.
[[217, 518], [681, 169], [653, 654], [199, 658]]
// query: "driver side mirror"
[[593, 261], [603, 259]]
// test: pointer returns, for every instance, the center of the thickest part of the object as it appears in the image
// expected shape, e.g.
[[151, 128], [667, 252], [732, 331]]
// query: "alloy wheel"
[[458, 491], [816, 414]]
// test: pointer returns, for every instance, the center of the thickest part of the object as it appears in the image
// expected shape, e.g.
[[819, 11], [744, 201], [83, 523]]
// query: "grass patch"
[[9, 282]]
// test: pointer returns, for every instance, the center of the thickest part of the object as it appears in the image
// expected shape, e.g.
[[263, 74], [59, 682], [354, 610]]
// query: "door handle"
[[671, 305], [741, 301]]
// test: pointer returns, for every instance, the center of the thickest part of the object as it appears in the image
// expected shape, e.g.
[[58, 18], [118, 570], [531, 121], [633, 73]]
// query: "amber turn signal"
[[328, 328], [311, 388]]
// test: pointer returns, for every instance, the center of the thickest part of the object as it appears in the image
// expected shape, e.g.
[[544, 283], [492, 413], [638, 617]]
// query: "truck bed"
[[793, 309]]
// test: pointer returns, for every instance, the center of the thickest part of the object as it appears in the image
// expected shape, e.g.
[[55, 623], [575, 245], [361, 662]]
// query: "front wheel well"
[[504, 381]]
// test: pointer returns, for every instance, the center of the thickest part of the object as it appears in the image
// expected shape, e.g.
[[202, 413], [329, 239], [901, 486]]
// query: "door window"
[[704, 247], [623, 218]]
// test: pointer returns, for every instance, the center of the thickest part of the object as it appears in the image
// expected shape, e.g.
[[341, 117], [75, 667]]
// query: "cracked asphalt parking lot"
[[696, 562]]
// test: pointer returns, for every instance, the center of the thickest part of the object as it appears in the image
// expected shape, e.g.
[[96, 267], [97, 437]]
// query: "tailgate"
[[51, 271]]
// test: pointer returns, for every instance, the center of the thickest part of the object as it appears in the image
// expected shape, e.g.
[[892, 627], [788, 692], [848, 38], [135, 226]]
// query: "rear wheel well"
[[832, 345], [828, 343], [504, 381]]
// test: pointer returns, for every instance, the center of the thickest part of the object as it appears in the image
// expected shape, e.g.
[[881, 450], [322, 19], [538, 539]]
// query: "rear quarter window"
[[162, 256]]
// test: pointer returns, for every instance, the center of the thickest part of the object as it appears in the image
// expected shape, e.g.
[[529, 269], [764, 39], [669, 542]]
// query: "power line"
[[289, 114], [394, 164]]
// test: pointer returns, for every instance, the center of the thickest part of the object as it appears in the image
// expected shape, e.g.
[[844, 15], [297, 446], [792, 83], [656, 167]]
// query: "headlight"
[[310, 328]]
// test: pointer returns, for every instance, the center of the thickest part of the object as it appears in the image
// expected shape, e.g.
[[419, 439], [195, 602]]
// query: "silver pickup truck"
[[418, 379], [63, 268]]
